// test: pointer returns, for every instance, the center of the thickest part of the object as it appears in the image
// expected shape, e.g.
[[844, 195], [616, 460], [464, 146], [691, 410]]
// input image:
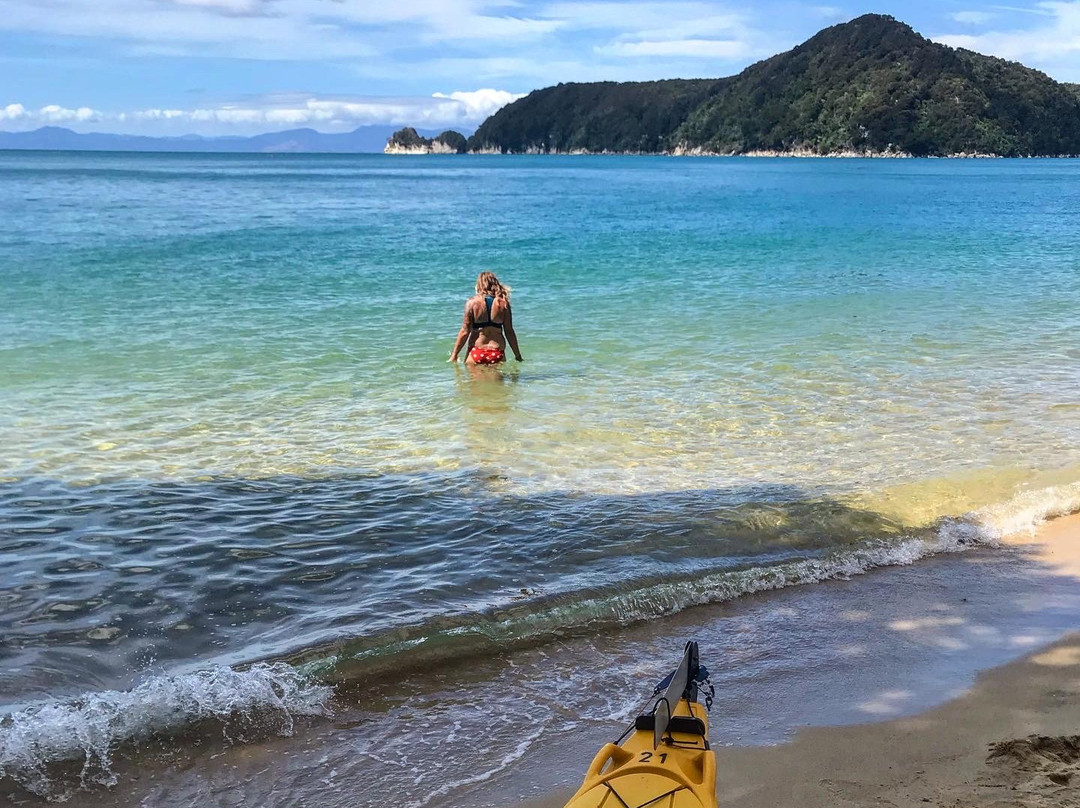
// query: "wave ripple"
[[263, 699]]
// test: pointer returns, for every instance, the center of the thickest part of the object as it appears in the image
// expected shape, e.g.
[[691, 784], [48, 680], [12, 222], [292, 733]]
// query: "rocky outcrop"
[[409, 141]]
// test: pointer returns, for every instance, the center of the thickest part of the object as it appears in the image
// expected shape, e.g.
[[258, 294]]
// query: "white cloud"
[[828, 12], [973, 17], [433, 20], [526, 71], [465, 109], [490, 28], [693, 48], [326, 29], [12, 112], [662, 30], [157, 114], [281, 30], [641, 21], [640, 16], [479, 104], [275, 29], [243, 8], [188, 29], [1053, 45], [57, 114], [50, 114], [458, 108], [230, 115]]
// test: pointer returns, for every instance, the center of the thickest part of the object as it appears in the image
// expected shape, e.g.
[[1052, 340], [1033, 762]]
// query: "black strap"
[[489, 301], [668, 794], [617, 795], [655, 799]]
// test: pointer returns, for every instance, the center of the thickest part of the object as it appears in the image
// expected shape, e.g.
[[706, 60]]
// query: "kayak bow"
[[666, 761]]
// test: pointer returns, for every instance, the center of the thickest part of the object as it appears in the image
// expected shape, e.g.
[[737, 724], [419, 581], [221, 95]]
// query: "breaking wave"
[[539, 620], [267, 697]]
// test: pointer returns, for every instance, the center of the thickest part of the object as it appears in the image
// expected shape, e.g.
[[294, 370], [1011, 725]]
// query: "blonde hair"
[[488, 284]]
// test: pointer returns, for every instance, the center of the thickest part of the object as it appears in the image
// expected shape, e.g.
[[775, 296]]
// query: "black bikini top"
[[489, 302]]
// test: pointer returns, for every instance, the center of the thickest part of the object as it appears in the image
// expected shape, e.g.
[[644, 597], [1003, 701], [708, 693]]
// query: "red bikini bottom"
[[487, 356]]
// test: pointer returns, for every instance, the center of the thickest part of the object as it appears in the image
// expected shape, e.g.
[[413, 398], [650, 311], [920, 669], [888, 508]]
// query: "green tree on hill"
[[453, 140], [601, 116], [408, 138], [870, 85], [874, 84]]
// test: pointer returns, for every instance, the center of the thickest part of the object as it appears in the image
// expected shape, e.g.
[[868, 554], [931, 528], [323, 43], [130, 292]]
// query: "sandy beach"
[[892, 688], [1013, 739], [249, 561], [266, 541]]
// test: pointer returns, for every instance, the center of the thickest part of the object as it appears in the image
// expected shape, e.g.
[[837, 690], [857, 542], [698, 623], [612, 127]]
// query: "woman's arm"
[[465, 335], [511, 335]]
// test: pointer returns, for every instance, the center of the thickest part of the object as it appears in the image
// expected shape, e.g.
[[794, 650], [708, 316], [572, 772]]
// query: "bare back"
[[476, 314], [487, 326]]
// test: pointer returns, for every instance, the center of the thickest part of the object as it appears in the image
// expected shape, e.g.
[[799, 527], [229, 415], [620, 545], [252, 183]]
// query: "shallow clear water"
[[228, 431]]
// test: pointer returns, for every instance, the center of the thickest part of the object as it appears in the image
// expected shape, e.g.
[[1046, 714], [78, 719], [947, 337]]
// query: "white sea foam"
[[450, 785], [1026, 511], [983, 527], [88, 731]]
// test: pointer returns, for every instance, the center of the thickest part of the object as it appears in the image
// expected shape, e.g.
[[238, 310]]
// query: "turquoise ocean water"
[[229, 434]]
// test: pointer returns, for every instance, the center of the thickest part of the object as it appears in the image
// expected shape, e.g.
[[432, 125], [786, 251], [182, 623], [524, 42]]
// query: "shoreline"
[[895, 643], [1011, 739], [845, 154], [423, 152]]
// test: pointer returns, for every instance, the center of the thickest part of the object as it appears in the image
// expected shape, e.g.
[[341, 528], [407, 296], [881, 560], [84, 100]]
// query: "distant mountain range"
[[365, 139], [869, 86]]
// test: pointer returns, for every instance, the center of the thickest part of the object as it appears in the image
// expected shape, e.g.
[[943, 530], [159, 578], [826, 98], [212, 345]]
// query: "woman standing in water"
[[488, 324]]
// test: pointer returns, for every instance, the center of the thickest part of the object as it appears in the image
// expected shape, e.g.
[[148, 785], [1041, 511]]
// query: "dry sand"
[[1012, 740]]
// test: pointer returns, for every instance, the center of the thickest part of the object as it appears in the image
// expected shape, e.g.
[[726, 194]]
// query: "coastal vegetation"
[[409, 141], [453, 140], [598, 116], [869, 86]]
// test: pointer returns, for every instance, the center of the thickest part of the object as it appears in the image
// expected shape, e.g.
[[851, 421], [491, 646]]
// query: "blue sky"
[[245, 66]]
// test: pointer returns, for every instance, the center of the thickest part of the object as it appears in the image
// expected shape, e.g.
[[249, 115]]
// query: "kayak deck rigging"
[[663, 760]]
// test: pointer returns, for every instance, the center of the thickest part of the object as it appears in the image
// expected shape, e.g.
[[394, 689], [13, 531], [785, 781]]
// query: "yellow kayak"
[[665, 762]]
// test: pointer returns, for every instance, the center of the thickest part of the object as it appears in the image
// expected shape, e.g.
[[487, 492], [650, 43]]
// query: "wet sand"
[[802, 674], [1012, 740]]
